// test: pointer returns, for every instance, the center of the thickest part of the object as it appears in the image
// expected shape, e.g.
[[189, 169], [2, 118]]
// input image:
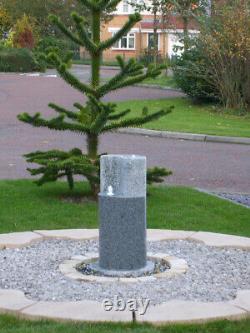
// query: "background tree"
[[160, 9], [217, 63], [226, 46], [25, 33], [5, 21], [40, 11], [95, 117], [189, 10]]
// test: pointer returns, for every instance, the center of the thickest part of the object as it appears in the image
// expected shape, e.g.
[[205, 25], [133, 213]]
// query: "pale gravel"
[[214, 274], [243, 199]]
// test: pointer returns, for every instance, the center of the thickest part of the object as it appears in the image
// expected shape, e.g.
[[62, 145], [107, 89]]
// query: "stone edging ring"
[[15, 302]]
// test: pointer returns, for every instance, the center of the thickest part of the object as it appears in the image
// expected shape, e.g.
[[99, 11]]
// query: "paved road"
[[83, 72], [212, 166]]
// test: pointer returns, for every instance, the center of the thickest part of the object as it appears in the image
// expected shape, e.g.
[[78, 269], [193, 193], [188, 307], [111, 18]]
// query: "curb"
[[156, 86], [102, 66], [185, 136]]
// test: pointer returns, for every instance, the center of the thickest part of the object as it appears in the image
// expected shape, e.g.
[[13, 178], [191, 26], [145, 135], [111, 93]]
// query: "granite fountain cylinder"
[[122, 215]]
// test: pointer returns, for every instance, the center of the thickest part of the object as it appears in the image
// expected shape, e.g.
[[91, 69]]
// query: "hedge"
[[17, 60]]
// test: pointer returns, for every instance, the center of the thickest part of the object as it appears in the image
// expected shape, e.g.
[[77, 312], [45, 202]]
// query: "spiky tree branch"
[[84, 34], [67, 76], [95, 117], [119, 115], [70, 114], [56, 21], [137, 121], [133, 19], [128, 80], [155, 175], [57, 124]]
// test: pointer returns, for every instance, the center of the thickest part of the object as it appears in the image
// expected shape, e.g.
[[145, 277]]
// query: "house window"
[[151, 41], [127, 42], [125, 6]]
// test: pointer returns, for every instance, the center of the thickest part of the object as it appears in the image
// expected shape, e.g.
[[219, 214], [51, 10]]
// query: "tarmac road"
[[211, 166]]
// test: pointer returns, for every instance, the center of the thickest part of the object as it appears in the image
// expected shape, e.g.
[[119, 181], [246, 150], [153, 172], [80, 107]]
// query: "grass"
[[9, 324], [159, 81], [162, 80], [24, 206], [191, 118]]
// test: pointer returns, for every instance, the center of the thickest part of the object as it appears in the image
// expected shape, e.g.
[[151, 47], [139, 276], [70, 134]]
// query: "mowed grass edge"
[[24, 206], [190, 118], [10, 324]]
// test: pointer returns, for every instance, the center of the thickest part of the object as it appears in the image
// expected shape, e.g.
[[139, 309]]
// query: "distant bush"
[[25, 33], [48, 43], [61, 46], [17, 60], [217, 65], [65, 49], [185, 69]]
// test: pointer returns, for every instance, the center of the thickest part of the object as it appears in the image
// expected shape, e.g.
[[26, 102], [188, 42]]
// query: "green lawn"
[[9, 324], [187, 117], [24, 206], [162, 80]]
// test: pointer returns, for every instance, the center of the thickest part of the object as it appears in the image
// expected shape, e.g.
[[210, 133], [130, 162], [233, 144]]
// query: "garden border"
[[175, 311]]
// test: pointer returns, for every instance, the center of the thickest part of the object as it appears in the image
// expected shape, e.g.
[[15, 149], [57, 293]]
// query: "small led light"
[[110, 191]]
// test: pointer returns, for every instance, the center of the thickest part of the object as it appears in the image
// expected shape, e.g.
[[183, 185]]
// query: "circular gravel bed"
[[214, 274]]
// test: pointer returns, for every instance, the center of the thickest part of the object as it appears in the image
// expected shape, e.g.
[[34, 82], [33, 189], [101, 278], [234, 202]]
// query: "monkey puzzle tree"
[[95, 117]]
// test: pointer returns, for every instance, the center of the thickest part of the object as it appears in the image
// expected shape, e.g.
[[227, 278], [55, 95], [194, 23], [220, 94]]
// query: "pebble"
[[243, 199], [160, 266], [214, 274]]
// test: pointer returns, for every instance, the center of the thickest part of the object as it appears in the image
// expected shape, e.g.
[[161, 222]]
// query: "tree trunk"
[[92, 139], [155, 35], [92, 147], [96, 58], [185, 31]]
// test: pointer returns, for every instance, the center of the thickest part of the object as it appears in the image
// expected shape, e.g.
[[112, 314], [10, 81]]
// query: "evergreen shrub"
[[17, 60]]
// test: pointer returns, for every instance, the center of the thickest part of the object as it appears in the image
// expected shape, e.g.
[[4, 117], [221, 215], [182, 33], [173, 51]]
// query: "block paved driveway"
[[213, 166]]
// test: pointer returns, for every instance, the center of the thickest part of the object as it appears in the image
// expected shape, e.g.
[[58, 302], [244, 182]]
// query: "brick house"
[[141, 37]]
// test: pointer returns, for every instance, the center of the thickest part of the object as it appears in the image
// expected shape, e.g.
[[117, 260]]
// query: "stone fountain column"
[[122, 214]]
